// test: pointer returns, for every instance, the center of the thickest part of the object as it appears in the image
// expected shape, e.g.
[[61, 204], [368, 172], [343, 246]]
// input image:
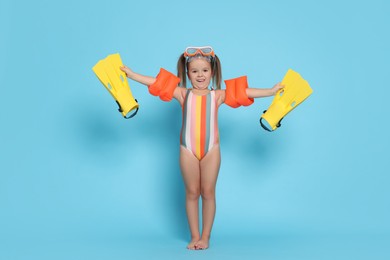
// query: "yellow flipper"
[[109, 73], [295, 91]]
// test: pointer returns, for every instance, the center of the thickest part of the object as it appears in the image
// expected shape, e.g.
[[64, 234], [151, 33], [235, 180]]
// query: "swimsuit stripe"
[[215, 122], [183, 135], [189, 123], [198, 124], [192, 124], [207, 130], [203, 127], [212, 126]]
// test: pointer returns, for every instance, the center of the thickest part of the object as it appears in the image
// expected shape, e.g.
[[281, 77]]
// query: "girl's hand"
[[127, 70], [276, 88]]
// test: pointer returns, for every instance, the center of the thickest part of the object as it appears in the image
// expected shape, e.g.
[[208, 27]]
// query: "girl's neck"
[[200, 92]]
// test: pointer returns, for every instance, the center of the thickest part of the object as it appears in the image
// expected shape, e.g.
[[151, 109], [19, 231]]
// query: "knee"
[[208, 193], [193, 194]]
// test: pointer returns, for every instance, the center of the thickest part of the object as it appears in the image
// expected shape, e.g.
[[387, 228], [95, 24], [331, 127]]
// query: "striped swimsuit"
[[199, 132]]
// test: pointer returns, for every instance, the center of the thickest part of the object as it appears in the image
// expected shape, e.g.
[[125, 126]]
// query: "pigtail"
[[181, 70], [217, 72]]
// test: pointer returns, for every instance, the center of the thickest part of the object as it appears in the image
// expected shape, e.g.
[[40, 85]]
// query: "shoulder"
[[220, 96], [180, 94]]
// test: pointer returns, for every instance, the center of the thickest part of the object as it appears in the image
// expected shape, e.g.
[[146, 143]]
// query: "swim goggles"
[[194, 51]]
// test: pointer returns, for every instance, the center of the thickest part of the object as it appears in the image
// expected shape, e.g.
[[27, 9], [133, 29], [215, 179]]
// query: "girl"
[[200, 156]]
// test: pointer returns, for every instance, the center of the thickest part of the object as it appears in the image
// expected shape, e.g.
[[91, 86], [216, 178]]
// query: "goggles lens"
[[191, 51], [206, 50]]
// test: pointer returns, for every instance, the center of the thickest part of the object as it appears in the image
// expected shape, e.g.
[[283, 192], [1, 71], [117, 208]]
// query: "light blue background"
[[77, 181]]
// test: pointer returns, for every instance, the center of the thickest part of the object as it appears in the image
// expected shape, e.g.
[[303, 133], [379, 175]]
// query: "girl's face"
[[199, 73]]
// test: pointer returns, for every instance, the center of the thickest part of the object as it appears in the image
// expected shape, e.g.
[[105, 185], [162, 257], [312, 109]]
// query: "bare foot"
[[192, 244], [202, 244]]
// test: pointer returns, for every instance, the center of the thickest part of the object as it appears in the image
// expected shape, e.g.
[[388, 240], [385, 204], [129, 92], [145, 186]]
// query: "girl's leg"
[[190, 170], [209, 168]]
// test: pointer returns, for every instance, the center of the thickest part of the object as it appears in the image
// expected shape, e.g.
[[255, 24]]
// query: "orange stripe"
[[203, 127], [197, 130]]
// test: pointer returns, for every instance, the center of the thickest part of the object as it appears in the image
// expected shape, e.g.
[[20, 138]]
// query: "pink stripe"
[[212, 126], [215, 119], [188, 124], [193, 123]]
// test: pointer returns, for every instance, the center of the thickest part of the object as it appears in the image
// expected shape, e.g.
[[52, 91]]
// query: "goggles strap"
[[199, 56]]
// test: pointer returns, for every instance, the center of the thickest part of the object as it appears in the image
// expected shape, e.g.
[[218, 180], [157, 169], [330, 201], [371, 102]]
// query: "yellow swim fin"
[[295, 91], [109, 73]]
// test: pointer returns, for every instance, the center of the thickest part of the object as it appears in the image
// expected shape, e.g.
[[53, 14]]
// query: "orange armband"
[[165, 85], [235, 94]]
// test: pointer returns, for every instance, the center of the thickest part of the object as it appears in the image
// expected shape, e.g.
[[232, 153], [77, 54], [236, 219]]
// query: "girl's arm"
[[251, 92], [179, 93], [263, 92], [145, 80]]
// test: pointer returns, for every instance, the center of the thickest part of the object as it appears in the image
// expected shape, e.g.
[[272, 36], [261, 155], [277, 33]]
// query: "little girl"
[[200, 156]]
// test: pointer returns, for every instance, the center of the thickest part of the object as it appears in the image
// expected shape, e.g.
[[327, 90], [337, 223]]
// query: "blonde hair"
[[182, 67]]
